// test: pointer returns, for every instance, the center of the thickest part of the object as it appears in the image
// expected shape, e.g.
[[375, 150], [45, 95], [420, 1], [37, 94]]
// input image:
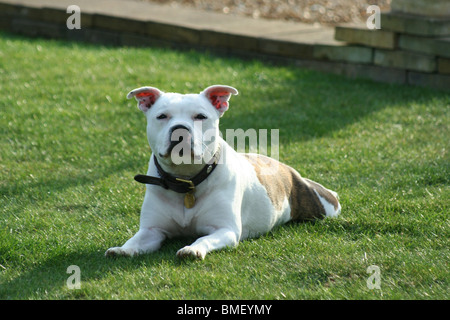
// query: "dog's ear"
[[219, 95], [146, 97]]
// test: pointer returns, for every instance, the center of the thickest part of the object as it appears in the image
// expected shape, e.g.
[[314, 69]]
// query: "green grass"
[[70, 144]]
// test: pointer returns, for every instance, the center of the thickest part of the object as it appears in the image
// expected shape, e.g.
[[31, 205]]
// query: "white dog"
[[198, 185]]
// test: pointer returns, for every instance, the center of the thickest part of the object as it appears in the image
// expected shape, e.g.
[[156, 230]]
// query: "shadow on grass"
[[49, 279], [355, 231]]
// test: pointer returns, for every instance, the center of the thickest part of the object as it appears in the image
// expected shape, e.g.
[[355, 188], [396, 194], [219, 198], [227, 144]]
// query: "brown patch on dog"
[[273, 177], [282, 181]]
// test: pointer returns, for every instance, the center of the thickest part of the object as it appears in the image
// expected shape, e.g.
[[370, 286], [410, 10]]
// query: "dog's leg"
[[145, 240], [218, 239]]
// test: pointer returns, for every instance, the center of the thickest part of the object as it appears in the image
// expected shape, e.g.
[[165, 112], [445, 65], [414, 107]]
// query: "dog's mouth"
[[179, 149]]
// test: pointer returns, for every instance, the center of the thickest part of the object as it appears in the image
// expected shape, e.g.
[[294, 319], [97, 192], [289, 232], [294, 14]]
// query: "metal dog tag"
[[189, 199]]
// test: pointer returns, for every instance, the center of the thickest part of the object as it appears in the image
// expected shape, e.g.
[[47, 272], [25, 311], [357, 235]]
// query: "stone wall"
[[417, 44]]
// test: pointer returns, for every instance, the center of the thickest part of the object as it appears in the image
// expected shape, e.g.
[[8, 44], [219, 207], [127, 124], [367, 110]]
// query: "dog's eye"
[[200, 117], [161, 116]]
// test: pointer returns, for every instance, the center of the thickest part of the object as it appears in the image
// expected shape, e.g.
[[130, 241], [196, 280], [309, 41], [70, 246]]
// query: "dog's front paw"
[[191, 252], [119, 251]]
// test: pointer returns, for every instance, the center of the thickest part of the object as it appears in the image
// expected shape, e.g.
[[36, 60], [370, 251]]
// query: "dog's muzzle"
[[180, 134]]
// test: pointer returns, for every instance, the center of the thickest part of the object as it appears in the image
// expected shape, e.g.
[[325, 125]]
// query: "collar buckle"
[[191, 184]]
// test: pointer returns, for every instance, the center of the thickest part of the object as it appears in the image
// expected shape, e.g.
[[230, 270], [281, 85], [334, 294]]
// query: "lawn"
[[70, 144]]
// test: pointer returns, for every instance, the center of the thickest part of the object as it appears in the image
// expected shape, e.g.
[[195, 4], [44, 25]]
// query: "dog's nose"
[[179, 127]]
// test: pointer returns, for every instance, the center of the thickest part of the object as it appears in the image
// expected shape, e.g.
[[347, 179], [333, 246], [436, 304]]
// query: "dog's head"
[[182, 128]]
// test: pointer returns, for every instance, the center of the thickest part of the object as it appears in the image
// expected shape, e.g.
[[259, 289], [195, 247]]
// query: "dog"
[[197, 185]]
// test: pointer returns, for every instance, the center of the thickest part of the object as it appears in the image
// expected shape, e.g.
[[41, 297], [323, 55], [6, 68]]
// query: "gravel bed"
[[327, 12]]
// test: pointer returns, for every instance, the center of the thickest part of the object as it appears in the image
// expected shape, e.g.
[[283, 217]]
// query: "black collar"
[[179, 185]]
